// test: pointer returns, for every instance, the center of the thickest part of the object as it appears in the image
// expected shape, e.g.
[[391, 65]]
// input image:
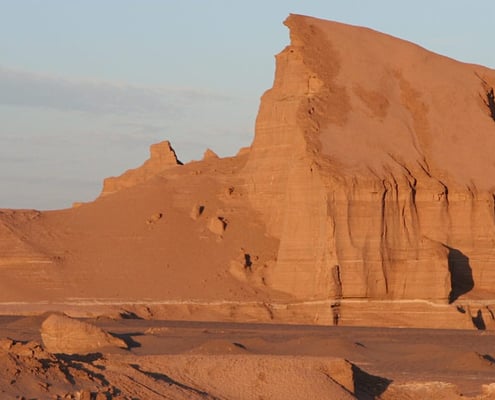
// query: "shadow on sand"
[[367, 386]]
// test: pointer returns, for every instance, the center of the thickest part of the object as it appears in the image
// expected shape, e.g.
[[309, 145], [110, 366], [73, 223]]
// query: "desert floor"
[[180, 359]]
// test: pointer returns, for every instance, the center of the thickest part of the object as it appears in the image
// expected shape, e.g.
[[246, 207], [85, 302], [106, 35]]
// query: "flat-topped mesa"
[[373, 164], [162, 158]]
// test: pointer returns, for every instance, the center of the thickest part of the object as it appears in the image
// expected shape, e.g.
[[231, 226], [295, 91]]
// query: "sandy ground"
[[180, 359]]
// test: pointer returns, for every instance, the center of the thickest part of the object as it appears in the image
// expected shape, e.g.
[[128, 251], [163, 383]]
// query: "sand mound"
[[255, 377]]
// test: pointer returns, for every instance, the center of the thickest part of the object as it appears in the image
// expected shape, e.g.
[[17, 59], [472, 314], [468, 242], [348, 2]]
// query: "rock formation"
[[62, 334], [162, 157], [209, 154], [375, 157], [366, 197]]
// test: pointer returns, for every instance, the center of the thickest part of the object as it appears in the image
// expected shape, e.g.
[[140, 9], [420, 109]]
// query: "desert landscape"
[[346, 254]]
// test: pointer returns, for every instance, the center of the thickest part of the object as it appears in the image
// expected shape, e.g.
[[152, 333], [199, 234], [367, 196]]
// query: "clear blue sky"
[[87, 86]]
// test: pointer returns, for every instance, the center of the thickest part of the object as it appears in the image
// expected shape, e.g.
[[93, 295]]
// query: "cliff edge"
[[373, 164], [366, 198]]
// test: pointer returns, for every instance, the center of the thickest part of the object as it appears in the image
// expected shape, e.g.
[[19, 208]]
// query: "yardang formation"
[[367, 197]]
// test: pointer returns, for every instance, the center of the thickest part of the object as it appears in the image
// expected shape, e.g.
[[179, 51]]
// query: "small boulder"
[[6, 344], [154, 218], [197, 211], [217, 225], [85, 395]]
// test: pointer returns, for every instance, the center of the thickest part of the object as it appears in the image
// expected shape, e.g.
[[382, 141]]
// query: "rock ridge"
[[162, 158]]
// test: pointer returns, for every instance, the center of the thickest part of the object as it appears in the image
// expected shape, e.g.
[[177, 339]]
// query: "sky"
[[87, 86]]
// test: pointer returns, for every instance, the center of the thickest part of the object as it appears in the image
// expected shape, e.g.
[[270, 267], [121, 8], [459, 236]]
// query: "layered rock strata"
[[366, 198], [62, 334], [373, 164]]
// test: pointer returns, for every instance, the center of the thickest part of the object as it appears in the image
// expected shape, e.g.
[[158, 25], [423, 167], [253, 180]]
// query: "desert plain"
[[348, 253]]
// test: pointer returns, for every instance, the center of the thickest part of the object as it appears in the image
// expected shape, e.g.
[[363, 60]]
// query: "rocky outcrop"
[[209, 154], [366, 198], [375, 157], [62, 334], [162, 157]]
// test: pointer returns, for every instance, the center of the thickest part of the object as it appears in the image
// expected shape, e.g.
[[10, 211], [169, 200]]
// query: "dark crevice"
[[478, 321], [335, 307], [129, 315], [490, 102], [490, 312], [461, 274], [461, 309], [488, 358], [248, 263], [489, 96]]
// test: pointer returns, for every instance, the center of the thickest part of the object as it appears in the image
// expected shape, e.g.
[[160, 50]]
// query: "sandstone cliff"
[[373, 164], [367, 197]]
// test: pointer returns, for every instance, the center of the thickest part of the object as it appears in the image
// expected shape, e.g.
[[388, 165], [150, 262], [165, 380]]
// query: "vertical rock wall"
[[371, 155]]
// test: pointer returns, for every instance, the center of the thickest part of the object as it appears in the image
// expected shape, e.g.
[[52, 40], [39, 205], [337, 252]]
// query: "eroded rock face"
[[209, 154], [62, 334], [162, 157], [15, 250], [367, 197], [374, 157]]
